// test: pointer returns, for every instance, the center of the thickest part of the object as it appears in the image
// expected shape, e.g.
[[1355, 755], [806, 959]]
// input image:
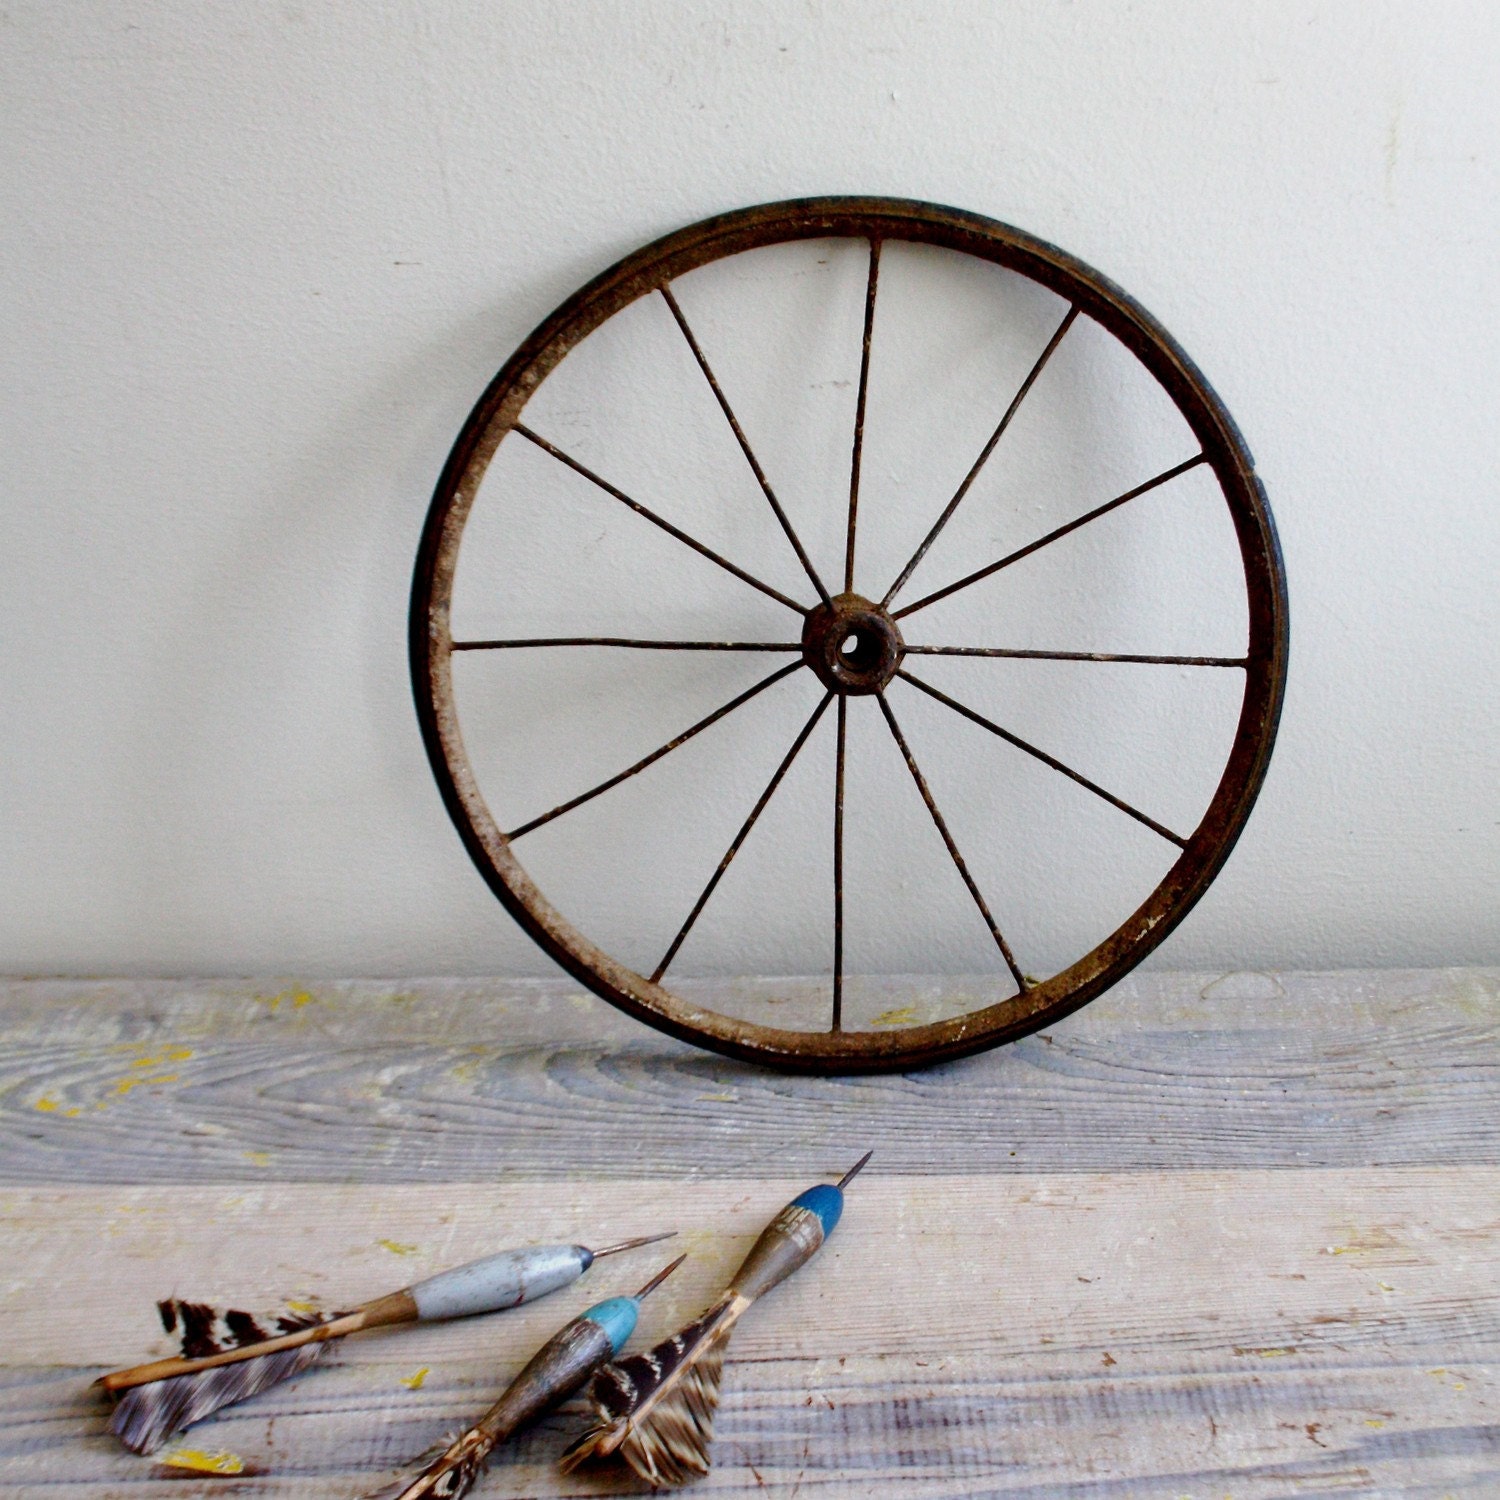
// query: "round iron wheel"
[[851, 643]]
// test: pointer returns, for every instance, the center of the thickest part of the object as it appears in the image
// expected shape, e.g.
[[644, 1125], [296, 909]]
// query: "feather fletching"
[[670, 1445], [656, 1410], [452, 1474], [147, 1415]]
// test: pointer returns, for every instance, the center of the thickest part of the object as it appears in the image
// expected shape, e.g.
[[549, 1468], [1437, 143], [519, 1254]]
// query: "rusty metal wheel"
[[854, 642]]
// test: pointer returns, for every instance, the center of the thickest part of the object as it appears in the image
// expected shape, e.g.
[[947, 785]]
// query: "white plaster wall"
[[258, 260]]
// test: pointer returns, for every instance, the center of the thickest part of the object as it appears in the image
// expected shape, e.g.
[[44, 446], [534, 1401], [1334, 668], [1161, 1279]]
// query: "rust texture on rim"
[[852, 644]]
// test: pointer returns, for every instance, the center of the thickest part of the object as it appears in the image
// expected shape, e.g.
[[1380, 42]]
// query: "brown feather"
[[656, 1410], [453, 1473], [147, 1415], [669, 1446]]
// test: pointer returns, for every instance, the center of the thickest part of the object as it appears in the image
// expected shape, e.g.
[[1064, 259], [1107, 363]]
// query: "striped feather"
[[453, 1473], [656, 1410], [145, 1416]]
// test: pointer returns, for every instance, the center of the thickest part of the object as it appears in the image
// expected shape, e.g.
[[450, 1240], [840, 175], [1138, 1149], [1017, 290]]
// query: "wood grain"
[[940, 1265], [1248, 1246], [871, 1426], [471, 1080]]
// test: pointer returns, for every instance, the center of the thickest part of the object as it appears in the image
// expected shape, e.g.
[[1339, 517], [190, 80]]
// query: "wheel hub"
[[854, 646]]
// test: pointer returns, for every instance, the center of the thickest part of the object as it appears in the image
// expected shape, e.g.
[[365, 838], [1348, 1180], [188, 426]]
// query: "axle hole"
[[860, 651]]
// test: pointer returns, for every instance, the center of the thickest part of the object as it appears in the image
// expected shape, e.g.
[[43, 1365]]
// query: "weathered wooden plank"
[[465, 1080], [866, 1425], [558, 1011], [1117, 1263]]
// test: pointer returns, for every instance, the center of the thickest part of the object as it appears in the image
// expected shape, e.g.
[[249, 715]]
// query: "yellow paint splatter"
[[719, 1098], [125, 1085], [170, 1055], [295, 998], [414, 1382], [72, 1112], [47, 1104], [307, 1309], [1374, 1422], [260, 1158], [903, 1015], [201, 1462], [396, 1247]]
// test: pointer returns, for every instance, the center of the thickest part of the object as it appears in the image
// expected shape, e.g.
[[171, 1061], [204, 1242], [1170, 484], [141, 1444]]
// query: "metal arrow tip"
[[854, 1171], [645, 1239]]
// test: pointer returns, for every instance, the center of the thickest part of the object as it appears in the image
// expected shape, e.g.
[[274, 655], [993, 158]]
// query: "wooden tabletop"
[[1213, 1236]]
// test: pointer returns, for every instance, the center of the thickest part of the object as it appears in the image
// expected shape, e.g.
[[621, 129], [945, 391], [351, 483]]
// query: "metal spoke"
[[1046, 760], [1051, 536], [838, 869], [859, 415], [740, 838], [1155, 661], [744, 443], [656, 755], [657, 520], [613, 640], [942, 828], [980, 462]]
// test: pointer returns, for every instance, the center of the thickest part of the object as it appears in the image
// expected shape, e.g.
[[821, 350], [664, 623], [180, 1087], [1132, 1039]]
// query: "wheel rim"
[[879, 653]]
